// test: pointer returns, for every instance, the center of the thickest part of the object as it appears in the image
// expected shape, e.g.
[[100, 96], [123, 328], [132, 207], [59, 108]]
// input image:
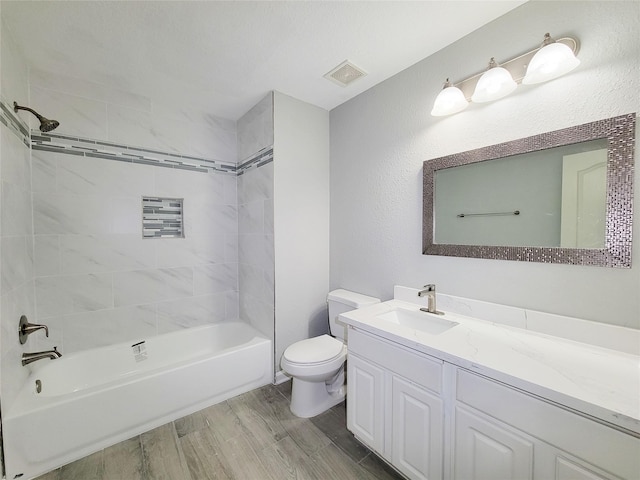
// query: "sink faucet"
[[28, 358], [430, 292]]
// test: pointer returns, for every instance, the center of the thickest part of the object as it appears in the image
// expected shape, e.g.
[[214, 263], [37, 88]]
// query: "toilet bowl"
[[317, 364]]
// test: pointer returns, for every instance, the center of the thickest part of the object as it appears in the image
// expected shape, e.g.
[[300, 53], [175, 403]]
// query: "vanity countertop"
[[600, 382]]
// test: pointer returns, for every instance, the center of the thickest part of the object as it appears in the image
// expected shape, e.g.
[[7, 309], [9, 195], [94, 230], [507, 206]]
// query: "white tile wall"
[[255, 248], [255, 129], [94, 272], [191, 312], [95, 111], [16, 232], [77, 116], [255, 221], [91, 258], [73, 257]]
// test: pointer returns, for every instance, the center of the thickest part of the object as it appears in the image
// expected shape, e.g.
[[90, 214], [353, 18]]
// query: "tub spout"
[[28, 358]]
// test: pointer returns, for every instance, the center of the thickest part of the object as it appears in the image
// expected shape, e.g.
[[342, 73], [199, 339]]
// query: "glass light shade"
[[450, 100], [495, 83], [551, 61]]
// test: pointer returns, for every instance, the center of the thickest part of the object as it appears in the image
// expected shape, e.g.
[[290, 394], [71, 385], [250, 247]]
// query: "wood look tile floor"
[[253, 436]]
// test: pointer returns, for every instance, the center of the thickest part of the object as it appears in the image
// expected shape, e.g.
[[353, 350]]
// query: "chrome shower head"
[[46, 125]]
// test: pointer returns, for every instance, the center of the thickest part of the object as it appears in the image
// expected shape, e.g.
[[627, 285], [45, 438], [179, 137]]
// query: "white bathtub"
[[94, 399]]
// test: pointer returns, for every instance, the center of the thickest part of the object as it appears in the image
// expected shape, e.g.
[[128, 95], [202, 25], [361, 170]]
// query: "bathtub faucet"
[[28, 358]]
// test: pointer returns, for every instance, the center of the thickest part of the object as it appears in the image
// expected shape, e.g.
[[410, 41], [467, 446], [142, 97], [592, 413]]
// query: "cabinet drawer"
[[421, 369], [601, 445]]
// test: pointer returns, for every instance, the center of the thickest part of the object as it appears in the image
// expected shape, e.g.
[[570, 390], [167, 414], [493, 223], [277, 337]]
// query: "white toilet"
[[317, 364]]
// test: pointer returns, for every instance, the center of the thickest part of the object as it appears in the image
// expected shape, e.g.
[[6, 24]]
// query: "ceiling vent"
[[345, 73]]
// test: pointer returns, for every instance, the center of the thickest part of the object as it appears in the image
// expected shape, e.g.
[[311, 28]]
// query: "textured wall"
[[301, 206], [380, 139]]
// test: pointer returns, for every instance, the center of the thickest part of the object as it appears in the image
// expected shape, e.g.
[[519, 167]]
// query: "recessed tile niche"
[[162, 217]]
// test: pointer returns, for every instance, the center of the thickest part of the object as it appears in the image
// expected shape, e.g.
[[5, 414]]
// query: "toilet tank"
[[341, 301]]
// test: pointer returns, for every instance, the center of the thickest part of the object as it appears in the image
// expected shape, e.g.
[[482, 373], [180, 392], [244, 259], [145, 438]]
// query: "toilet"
[[317, 364]]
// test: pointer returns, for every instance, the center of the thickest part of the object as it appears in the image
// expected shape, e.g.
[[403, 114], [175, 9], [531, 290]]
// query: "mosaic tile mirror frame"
[[619, 133]]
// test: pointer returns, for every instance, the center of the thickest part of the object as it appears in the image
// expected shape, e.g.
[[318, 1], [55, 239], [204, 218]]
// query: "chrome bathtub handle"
[[25, 329]]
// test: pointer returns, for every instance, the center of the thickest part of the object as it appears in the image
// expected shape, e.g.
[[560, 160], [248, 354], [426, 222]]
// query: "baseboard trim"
[[281, 377]]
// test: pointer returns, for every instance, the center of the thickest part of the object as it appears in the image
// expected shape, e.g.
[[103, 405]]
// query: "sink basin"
[[423, 321]]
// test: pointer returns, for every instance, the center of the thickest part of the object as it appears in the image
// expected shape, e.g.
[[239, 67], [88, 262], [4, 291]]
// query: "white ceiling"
[[223, 57]]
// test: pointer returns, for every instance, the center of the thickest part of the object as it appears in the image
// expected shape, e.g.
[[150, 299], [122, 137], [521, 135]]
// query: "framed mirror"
[[558, 197]]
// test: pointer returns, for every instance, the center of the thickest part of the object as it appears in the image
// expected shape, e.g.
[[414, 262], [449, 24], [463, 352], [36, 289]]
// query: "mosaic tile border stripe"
[[10, 120], [261, 158], [52, 142], [73, 145]]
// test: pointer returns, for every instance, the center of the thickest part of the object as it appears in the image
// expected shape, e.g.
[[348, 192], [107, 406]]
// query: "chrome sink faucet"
[[430, 292], [28, 358]]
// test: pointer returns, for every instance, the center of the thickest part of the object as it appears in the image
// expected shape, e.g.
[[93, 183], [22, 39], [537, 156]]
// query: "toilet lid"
[[314, 350]]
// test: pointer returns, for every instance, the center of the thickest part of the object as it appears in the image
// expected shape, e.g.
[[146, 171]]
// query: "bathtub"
[[93, 399]]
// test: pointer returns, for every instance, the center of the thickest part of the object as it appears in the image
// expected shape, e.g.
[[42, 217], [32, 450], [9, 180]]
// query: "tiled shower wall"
[[255, 218], [97, 280], [16, 234], [72, 251]]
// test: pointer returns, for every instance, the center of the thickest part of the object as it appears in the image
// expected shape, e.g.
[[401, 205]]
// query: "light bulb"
[[553, 60], [495, 83], [450, 100]]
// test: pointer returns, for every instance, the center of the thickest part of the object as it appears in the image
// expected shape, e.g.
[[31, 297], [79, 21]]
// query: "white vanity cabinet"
[[394, 404], [431, 419], [502, 432]]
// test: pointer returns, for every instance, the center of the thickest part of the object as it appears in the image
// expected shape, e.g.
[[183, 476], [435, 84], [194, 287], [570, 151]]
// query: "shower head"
[[46, 125]]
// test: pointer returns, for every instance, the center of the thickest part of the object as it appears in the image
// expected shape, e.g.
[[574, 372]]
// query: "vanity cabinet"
[[434, 420], [365, 408], [502, 432], [416, 430], [485, 449], [396, 409]]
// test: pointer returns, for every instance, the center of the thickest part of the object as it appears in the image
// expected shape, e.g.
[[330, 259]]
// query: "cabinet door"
[[570, 470], [417, 431], [365, 402], [553, 464], [487, 450]]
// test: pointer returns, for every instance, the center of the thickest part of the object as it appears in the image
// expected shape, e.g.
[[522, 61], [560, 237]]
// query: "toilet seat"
[[314, 351]]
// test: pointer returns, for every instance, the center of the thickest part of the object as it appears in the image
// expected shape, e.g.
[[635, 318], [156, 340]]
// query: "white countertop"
[[596, 381]]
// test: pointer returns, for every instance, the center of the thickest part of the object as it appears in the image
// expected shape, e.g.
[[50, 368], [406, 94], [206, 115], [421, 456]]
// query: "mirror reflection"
[[549, 198], [558, 197]]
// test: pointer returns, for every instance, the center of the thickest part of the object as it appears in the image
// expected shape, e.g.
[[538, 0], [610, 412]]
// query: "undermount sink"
[[418, 320]]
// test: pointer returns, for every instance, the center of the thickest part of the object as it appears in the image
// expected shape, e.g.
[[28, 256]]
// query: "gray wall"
[[380, 139], [301, 219]]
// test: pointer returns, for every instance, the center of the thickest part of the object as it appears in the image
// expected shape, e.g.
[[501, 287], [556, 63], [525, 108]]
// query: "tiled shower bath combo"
[[130, 259]]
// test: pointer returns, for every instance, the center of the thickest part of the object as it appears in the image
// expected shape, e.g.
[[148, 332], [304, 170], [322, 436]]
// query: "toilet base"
[[309, 399]]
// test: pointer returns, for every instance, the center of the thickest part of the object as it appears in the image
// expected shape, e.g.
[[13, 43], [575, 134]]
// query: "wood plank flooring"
[[253, 436]]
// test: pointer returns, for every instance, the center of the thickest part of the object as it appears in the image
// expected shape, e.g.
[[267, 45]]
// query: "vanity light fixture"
[[450, 100], [495, 83], [551, 60]]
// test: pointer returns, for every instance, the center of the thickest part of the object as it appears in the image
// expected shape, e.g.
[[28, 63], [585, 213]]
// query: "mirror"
[[559, 197]]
